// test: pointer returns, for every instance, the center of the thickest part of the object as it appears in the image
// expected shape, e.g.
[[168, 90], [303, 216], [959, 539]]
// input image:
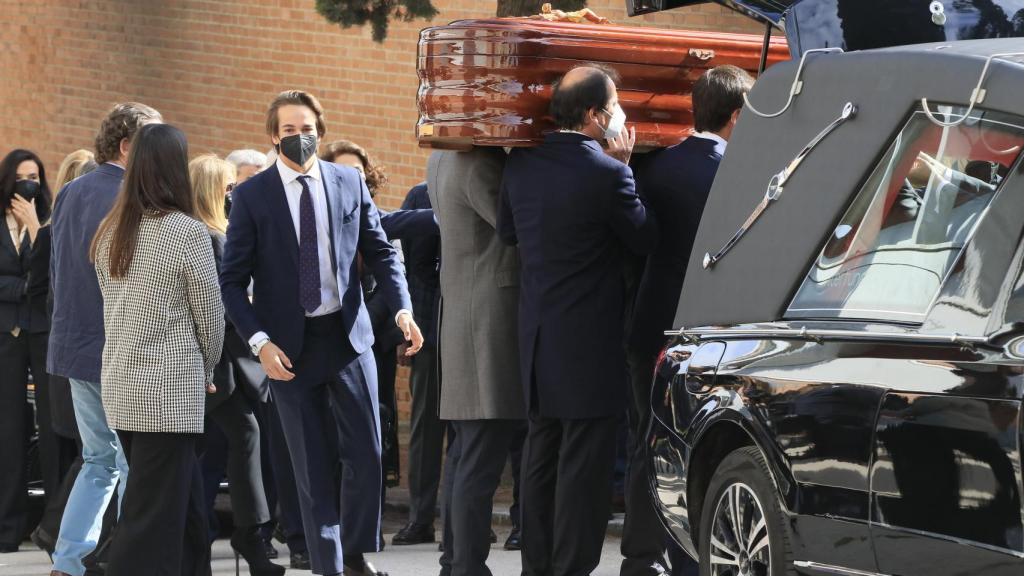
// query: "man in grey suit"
[[479, 361]]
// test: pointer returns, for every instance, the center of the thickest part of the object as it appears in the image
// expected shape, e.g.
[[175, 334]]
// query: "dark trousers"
[[472, 474], [333, 396], [163, 526], [644, 538], [49, 523], [566, 492], [426, 436], [17, 359], [515, 460], [56, 452], [283, 496], [387, 370], [235, 419]]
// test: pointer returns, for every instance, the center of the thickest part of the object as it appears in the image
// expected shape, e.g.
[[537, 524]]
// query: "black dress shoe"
[[494, 537], [367, 569], [513, 543], [44, 541], [8, 548], [269, 546], [413, 533], [300, 561]]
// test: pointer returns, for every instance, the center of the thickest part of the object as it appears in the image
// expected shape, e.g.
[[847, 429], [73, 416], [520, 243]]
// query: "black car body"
[[846, 394], [866, 24]]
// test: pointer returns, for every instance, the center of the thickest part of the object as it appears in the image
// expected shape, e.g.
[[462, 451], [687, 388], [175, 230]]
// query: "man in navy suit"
[[574, 213], [295, 231], [676, 183]]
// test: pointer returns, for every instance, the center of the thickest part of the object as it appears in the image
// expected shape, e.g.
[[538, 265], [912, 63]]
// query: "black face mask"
[[298, 148], [227, 205], [27, 189]]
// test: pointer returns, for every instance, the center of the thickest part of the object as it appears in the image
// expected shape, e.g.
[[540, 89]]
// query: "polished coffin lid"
[[488, 82], [756, 280]]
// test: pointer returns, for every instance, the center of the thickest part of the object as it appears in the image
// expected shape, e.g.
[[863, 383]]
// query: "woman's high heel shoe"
[[247, 544]]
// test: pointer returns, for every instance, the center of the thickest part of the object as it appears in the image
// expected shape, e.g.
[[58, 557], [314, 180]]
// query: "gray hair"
[[247, 158]]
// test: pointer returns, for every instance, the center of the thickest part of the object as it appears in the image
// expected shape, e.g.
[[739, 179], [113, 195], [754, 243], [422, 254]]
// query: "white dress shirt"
[[330, 295], [711, 136]]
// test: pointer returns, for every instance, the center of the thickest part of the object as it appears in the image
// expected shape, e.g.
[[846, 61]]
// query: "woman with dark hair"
[[348, 153], [24, 326], [164, 326]]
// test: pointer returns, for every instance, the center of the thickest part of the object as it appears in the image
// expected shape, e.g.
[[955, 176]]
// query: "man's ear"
[[125, 146], [736, 116]]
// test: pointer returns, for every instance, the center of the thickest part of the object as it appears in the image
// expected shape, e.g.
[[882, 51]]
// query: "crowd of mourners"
[[185, 319]]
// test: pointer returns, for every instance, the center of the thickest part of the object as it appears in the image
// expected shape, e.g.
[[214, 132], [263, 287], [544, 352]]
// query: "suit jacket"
[[76, 329], [238, 370], [401, 225], [676, 183], [574, 212], [423, 267], [479, 287], [164, 325], [15, 306], [262, 246]]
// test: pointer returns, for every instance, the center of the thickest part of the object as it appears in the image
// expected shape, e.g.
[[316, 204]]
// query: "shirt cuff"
[[402, 311], [257, 338]]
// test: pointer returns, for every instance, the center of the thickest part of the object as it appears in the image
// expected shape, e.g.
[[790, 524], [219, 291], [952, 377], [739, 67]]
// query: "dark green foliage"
[[378, 13]]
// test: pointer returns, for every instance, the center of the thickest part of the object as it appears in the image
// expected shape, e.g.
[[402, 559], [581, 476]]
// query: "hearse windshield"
[[904, 231]]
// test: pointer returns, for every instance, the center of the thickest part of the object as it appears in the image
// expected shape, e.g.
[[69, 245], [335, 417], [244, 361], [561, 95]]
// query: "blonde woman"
[[79, 162], [238, 379]]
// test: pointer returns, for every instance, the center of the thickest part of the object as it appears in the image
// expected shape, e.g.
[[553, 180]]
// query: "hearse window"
[[890, 253]]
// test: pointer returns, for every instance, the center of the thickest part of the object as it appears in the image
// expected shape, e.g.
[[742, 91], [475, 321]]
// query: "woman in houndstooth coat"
[[164, 325]]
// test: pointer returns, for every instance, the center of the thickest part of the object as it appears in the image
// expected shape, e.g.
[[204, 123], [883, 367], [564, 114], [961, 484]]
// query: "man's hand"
[[275, 363], [411, 332], [621, 148]]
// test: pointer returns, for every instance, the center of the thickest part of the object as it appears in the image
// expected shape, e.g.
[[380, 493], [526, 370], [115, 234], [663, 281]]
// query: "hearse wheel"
[[742, 527]]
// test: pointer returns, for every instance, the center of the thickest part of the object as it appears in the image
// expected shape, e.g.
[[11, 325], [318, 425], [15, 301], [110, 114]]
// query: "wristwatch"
[[259, 346]]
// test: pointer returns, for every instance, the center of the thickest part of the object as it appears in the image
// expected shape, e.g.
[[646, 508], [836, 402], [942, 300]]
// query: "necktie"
[[309, 254]]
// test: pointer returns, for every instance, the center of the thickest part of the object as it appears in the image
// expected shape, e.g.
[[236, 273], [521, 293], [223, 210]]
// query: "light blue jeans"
[[103, 465]]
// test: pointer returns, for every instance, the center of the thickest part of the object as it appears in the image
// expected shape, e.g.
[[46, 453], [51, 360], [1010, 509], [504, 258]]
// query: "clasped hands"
[[278, 366]]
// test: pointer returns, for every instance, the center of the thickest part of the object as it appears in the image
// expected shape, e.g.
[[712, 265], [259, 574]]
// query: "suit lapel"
[[277, 201], [332, 191]]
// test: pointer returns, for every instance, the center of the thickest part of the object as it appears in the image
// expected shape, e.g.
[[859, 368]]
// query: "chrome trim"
[[817, 334], [831, 569], [977, 95], [778, 183], [795, 88]]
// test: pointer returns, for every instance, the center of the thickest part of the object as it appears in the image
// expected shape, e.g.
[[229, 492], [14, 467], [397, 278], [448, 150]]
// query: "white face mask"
[[616, 123]]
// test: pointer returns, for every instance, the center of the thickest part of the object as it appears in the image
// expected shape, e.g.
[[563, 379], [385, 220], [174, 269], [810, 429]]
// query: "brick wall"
[[212, 66]]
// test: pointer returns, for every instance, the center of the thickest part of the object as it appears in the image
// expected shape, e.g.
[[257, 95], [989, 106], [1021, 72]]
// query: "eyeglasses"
[[230, 188]]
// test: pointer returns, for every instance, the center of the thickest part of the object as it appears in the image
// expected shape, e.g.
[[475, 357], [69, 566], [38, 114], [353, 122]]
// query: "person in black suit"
[[676, 183], [237, 379], [573, 211], [24, 325]]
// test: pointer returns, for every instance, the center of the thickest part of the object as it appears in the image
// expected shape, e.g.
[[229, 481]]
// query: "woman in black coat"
[[24, 328], [238, 378]]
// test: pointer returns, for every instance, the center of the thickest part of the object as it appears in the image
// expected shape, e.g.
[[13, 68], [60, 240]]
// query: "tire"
[[743, 474]]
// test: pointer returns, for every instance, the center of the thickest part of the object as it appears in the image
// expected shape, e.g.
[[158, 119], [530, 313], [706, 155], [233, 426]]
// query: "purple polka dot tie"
[[309, 254]]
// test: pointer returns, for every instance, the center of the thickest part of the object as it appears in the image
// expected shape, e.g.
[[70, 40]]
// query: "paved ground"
[[398, 561]]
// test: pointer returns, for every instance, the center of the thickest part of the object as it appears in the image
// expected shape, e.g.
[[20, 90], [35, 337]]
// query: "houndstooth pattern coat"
[[164, 325]]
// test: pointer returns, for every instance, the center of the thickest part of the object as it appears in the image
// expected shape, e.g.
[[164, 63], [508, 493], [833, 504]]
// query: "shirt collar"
[[288, 175], [711, 136]]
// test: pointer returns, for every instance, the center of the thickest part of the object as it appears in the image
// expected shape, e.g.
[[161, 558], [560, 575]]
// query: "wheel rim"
[[739, 535]]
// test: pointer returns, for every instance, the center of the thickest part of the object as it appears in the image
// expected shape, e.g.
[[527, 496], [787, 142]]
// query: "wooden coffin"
[[488, 82]]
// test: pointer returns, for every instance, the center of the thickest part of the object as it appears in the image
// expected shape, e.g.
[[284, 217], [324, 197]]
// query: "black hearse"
[[842, 390]]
